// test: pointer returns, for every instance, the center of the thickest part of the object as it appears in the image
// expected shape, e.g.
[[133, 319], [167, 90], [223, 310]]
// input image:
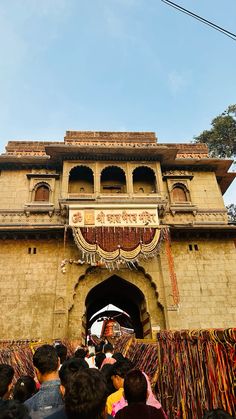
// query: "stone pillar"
[[129, 180], [65, 180], [97, 180], [145, 319]]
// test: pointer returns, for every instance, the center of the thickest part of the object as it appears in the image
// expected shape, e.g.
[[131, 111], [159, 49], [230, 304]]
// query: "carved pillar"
[[97, 179], [145, 319], [65, 180], [129, 179], [59, 319]]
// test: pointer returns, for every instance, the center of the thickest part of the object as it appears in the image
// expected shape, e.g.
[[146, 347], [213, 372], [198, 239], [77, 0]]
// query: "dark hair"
[[45, 359], [13, 409], [99, 347], [217, 414], [61, 352], [24, 388], [135, 387], [70, 367], [6, 377], [80, 353], [86, 395], [99, 358], [108, 348], [106, 371], [122, 367], [118, 356]]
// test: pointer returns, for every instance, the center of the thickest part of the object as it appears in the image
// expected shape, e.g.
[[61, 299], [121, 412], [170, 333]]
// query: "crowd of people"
[[99, 385]]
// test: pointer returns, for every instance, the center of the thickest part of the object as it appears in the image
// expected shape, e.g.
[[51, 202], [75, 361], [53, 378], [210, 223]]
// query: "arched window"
[[42, 193], [81, 180], [113, 180], [179, 194], [144, 180]]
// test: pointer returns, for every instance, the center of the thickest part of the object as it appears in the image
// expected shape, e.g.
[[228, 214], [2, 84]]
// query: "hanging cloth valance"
[[113, 244]]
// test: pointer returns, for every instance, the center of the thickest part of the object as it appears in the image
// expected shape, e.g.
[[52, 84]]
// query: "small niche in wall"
[[193, 247], [32, 250]]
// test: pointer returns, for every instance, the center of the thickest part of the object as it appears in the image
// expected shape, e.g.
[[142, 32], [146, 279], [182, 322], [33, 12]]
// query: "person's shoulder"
[[140, 410], [116, 395], [2, 402], [59, 414], [156, 413], [31, 400]]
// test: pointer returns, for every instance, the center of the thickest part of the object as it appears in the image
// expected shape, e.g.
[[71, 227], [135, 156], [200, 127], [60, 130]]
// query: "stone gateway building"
[[114, 217]]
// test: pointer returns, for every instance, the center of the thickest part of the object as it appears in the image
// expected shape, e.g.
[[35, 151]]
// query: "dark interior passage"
[[120, 293]]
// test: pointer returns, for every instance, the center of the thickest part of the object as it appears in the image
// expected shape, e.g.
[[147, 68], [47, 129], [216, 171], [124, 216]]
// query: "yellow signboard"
[[114, 217]]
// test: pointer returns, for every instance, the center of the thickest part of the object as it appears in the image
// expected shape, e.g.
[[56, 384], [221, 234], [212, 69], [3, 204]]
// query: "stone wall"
[[27, 287], [207, 284], [39, 301]]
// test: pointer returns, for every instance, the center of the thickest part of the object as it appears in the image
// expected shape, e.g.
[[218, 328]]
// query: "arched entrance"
[[120, 293], [132, 291]]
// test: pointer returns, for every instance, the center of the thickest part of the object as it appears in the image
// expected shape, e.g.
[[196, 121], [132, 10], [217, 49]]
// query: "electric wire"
[[201, 19]]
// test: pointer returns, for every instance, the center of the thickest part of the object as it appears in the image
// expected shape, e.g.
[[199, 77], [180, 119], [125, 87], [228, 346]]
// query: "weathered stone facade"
[[190, 283]]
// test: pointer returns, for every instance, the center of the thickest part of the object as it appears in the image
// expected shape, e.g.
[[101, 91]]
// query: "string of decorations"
[[192, 371], [170, 259], [18, 354]]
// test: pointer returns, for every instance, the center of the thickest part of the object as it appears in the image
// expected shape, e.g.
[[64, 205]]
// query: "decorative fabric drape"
[[112, 244]]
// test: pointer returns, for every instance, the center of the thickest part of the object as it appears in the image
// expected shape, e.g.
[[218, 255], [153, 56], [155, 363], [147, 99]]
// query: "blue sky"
[[114, 65]]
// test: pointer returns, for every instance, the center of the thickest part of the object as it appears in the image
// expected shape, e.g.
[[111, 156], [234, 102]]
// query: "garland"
[[113, 246], [18, 354], [192, 371], [170, 259]]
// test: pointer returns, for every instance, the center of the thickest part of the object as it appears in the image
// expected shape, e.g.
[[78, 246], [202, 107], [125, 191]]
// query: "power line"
[[201, 19]]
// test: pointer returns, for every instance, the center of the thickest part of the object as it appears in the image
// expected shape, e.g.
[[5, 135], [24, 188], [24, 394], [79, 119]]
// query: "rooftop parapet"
[[113, 137]]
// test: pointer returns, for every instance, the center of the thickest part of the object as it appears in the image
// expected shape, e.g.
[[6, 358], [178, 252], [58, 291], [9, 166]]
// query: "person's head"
[[46, 361], [119, 371], [6, 377], [80, 353], [68, 368], [118, 356], [135, 387], [108, 348], [217, 414], [13, 409], [61, 352], [24, 388], [98, 348], [99, 358], [86, 395], [106, 371]]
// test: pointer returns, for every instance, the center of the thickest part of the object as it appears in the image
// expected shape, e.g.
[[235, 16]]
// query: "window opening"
[[196, 247], [81, 180], [113, 180], [190, 247], [42, 193], [144, 180], [179, 194]]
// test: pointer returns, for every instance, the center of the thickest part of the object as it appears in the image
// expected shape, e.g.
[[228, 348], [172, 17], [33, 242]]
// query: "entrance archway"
[[120, 293], [131, 291]]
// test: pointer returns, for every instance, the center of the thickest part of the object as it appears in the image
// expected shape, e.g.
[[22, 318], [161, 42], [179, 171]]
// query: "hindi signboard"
[[114, 216]]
